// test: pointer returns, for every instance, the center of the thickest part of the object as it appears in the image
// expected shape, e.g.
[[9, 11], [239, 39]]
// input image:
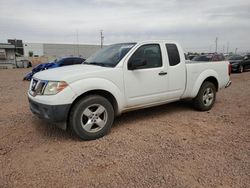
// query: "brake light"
[[229, 69]]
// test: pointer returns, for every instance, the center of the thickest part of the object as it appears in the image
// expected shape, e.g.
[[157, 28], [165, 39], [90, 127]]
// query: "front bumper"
[[51, 113]]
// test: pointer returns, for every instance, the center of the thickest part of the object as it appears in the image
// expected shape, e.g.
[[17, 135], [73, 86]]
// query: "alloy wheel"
[[208, 97], [94, 118]]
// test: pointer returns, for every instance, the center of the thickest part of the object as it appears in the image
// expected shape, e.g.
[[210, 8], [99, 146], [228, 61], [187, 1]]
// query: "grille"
[[37, 87]]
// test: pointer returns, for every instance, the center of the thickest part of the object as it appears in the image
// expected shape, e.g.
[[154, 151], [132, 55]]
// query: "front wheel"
[[91, 117], [206, 96]]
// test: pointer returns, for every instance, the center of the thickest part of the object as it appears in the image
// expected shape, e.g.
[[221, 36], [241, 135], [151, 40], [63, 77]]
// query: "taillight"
[[229, 69]]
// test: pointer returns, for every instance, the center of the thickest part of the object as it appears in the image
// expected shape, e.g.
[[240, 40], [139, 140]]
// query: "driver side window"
[[150, 54]]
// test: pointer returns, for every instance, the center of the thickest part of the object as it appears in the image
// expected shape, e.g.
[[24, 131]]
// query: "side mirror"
[[136, 63]]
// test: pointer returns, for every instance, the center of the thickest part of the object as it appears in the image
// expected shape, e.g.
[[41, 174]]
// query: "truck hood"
[[70, 73]]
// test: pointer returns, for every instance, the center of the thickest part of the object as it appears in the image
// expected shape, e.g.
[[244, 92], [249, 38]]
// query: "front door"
[[148, 83]]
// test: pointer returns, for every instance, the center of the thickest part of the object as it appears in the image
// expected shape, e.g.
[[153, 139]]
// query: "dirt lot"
[[167, 146]]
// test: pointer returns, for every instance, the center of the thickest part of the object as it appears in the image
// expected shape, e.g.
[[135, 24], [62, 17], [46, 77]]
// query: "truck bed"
[[197, 70]]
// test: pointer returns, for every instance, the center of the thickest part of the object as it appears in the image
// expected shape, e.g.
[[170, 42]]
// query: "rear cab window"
[[173, 54]]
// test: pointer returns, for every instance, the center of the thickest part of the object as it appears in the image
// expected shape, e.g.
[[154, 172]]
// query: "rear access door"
[[176, 71]]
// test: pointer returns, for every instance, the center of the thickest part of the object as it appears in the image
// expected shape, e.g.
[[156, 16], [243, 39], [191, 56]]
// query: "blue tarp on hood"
[[39, 68]]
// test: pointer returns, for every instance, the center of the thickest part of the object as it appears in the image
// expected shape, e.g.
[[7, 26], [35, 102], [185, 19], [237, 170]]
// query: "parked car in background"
[[239, 63], [209, 57], [191, 57], [246, 62], [236, 62], [54, 64]]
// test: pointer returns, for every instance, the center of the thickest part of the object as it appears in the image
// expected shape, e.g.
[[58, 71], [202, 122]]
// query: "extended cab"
[[123, 77]]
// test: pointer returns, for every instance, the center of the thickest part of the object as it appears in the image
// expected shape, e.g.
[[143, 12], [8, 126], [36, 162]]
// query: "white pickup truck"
[[123, 77]]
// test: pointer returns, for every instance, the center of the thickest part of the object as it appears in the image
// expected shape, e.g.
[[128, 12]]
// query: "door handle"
[[162, 73]]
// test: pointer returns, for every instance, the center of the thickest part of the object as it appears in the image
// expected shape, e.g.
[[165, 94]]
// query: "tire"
[[205, 98], [91, 117], [241, 69]]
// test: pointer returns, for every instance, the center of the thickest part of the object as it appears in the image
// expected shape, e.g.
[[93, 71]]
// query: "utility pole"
[[216, 44], [15, 53], [223, 48], [227, 47], [236, 50], [102, 38], [77, 42]]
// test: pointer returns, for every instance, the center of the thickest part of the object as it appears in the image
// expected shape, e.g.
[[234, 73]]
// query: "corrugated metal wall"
[[10, 57], [62, 50]]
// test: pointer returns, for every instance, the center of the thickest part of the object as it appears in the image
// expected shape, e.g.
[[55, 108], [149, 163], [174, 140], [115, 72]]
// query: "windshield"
[[110, 55], [203, 58], [58, 60], [238, 57]]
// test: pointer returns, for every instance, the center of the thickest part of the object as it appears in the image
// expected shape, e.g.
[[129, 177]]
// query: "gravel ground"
[[167, 146]]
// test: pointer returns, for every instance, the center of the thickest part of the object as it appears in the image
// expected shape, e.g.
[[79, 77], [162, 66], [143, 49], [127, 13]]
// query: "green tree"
[[30, 54]]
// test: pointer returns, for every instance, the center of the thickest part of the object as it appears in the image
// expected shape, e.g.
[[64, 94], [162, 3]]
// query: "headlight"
[[53, 87]]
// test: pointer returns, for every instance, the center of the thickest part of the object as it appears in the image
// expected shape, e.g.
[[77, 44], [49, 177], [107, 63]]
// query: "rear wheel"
[[206, 96], [91, 117]]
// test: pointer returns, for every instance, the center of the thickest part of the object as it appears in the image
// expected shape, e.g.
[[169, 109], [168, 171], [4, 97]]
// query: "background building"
[[59, 50], [18, 45], [15, 52], [7, 55]]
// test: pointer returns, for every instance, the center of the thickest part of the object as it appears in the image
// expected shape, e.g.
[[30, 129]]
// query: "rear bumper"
[[228, 83], [51, 113]]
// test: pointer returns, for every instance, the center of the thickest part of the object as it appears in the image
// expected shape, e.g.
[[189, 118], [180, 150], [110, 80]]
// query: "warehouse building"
[[7, 55], [59, 50]]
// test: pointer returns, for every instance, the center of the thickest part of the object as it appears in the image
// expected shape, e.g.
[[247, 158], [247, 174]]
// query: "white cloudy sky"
[[193, 23]]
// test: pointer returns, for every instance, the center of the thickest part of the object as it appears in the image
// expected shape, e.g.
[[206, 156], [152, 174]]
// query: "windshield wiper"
[[97, 63]]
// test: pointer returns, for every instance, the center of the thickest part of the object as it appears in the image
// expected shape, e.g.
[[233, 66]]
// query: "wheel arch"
[[106, 94], [212, 80], [210, 76]]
